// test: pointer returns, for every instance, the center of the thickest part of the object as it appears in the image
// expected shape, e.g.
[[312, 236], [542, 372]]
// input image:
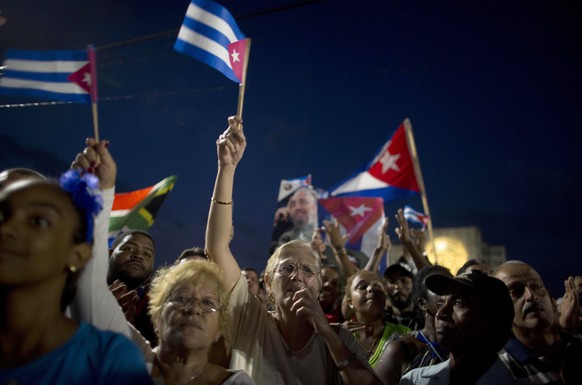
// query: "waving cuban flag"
[[210, 34], [415, 217], [390, 174], [55, 75]]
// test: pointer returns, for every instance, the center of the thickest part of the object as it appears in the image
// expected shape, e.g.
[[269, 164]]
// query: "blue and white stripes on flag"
[[207, 31], [43, 74], [415, 217]]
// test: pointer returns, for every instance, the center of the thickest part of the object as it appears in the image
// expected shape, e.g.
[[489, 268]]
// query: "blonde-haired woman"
[[188, 308]]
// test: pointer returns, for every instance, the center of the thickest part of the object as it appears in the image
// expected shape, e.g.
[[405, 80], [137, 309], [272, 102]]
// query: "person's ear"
[[80, 255], [422, 304]]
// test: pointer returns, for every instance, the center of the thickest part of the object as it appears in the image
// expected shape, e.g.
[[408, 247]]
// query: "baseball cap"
[[397, 268], [491, 291]]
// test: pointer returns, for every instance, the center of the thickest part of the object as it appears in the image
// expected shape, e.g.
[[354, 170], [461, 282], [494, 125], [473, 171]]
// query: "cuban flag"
[[359, 217], [210, 34], [55, 75], [415, 217], [390, 174]]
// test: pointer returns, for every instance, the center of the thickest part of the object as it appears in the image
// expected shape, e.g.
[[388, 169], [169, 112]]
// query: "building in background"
[[454, 246]]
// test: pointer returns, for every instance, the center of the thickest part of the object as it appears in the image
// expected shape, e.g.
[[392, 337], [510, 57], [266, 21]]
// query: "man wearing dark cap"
[[399, 281], [473, 322]]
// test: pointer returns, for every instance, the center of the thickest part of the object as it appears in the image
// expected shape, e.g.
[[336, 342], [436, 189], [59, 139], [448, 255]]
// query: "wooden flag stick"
[[95, 121], [241, 87], [93, 89], [420, 180]]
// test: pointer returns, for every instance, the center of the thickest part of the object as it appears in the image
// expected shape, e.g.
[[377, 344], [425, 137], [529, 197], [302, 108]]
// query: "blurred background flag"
[[415, 217], [210, 34], [136, 210], [47, 75], [360, 217], [289, 186]]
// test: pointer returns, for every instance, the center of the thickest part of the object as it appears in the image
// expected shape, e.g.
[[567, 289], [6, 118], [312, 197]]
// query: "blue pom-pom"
[[83, 189]]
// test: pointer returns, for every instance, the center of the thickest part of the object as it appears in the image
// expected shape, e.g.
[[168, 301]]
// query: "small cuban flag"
[[415, 217], [55, 75], [210, 34]]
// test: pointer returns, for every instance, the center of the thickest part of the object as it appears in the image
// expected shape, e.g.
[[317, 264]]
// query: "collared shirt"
[[526, 365], [440, 374]]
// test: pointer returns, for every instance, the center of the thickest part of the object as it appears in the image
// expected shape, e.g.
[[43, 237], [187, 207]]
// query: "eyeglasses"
[[207, 304], [289, 268]]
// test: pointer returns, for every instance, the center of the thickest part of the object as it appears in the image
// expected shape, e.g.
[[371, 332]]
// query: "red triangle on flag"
[[236, 55], [82, 78], [355, 214], [393, 165]]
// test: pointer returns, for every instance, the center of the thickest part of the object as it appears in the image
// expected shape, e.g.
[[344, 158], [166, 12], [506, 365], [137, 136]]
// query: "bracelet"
[[342, 365], [220, 202], [342, 251]]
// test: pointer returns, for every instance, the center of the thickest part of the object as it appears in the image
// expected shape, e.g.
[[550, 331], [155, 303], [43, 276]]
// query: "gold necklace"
[[194, 377]]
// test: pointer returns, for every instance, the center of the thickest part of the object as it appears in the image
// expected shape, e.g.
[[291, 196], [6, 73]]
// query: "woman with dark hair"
[[46, 235], [418, 348], [366, 296]]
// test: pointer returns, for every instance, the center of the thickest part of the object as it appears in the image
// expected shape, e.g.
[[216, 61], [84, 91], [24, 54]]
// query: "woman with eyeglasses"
[[188, 308], [188, 304], [294, 344]]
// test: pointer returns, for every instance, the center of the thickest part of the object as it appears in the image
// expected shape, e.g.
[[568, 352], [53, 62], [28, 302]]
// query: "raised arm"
[[93, 302], [403, 233], [382, 247], [338, 245], [230, 147]]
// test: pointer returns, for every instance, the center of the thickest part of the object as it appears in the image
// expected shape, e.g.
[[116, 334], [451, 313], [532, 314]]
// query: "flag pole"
[[241, 87], [420, 180], [93, 66]]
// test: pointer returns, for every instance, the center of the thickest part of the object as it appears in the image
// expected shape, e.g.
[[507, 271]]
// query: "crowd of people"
[[75, 310]]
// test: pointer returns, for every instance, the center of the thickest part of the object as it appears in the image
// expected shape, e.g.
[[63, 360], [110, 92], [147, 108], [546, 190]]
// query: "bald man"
[[539, 353]]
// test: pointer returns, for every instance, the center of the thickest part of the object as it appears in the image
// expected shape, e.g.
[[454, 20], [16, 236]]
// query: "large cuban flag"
[[359, 217], [210, 34], [55, 75], [390, 174]]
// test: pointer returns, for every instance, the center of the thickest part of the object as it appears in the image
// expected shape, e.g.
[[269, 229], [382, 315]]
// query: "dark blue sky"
[[492, 90]]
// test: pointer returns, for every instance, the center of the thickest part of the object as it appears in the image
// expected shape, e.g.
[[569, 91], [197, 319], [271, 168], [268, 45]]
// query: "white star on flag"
[[389, 162], [360, 210], [234, 55], [87, 78]]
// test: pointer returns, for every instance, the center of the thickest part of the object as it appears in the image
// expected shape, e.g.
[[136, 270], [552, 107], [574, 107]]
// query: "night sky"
[[492, 91]]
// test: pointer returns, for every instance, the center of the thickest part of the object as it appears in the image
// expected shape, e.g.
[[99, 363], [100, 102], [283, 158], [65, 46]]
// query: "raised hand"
[[231, 145], [306, 305], [334, 235], [403, 231], [317, 243], [570, 306], [96, 159], [384, 243], [126, 299]]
